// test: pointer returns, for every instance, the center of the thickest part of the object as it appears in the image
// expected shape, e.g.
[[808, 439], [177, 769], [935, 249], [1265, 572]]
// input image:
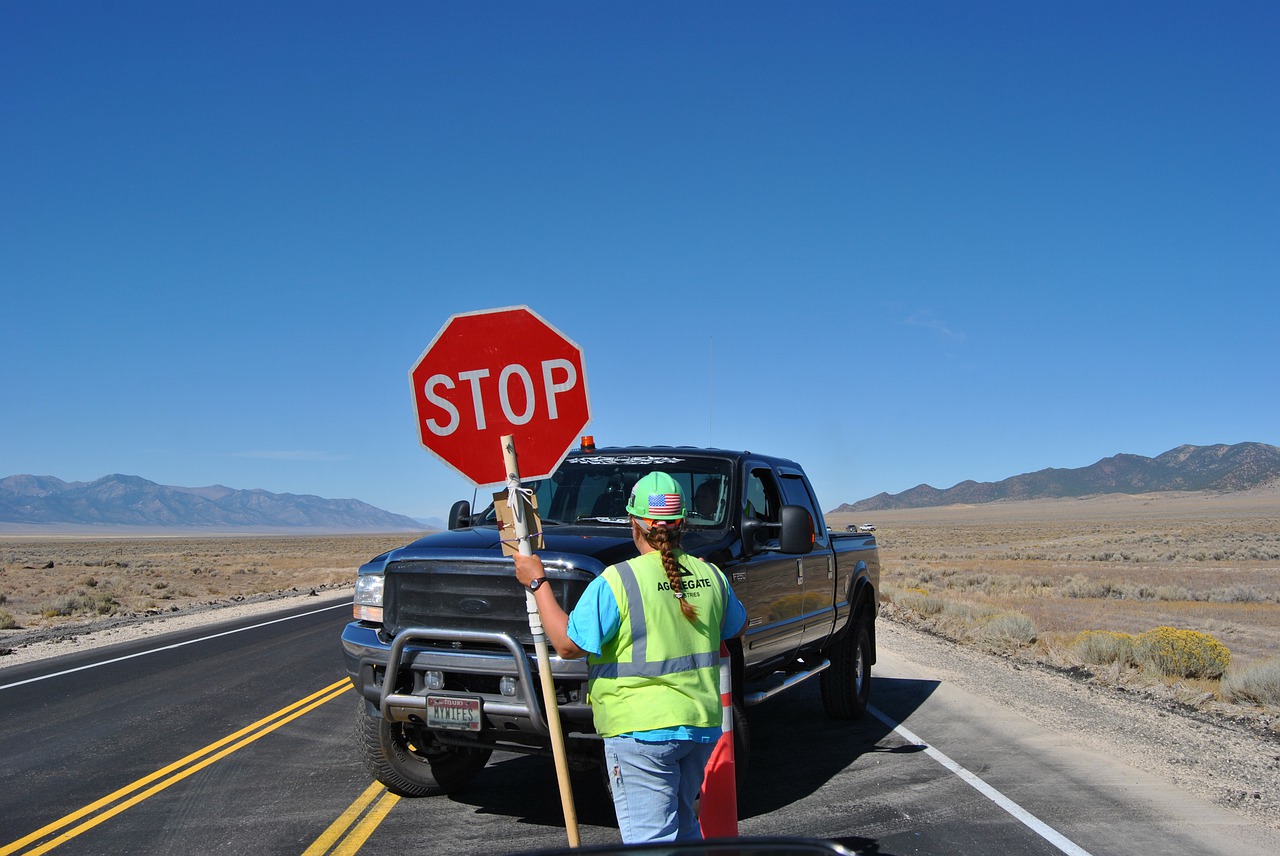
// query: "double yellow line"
[[87, 818], [341, 838]]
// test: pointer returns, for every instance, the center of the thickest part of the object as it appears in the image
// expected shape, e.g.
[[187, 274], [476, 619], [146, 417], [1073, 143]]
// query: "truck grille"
[[466, 595]]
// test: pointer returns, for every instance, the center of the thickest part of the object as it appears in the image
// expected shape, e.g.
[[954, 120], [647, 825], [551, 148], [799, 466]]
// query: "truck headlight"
[[368, 599]]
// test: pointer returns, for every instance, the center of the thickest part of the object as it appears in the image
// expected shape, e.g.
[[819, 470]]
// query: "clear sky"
[[901, 243]]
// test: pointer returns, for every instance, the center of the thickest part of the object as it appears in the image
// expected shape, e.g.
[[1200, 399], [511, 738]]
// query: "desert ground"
[[63, 585], [1195, 561]]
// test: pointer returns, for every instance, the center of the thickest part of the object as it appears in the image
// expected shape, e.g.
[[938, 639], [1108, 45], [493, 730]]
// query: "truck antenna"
[[711, 341]]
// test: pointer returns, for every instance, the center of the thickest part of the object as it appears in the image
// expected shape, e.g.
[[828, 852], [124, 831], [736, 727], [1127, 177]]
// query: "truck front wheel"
[[411, 762], [846, 686]]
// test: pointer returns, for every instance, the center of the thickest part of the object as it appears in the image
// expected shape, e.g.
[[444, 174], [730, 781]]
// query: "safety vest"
[[661, 670]]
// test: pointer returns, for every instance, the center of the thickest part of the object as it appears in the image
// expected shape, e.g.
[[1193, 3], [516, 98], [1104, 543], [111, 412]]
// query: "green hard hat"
[[657, 496]]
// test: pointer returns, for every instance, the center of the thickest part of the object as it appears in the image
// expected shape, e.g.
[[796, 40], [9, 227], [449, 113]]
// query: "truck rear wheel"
[[411, 762], [846, 686]]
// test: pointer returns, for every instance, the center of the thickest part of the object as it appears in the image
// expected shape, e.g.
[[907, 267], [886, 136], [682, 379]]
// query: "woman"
[[651, 629]]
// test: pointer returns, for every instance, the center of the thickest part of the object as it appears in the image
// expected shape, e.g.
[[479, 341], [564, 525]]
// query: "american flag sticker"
[[664, 503]]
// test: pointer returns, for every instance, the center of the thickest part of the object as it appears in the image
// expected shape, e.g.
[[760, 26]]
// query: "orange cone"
[[718, 813]]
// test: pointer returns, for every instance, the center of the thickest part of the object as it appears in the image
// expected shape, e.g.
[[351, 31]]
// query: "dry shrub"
[[1102, 647], [965, 621], [98, 603], [1256, 683], [1008, 628], [1181, 653], [1079, 585], [1172, 593], [7, 621], [924, 604], [1237, 594]]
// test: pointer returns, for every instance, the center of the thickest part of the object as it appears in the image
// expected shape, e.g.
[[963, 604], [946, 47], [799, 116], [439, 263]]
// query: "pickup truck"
[[441, 652]]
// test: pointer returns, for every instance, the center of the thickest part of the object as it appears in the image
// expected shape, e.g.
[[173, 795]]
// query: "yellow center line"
[[232, 742], [333, 836], [366, 826]]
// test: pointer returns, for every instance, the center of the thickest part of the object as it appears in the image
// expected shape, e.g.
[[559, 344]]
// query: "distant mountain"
[[1217, 468], [119, 500]]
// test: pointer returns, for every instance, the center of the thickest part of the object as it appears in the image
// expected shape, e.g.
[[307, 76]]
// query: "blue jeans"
[[655, 786]]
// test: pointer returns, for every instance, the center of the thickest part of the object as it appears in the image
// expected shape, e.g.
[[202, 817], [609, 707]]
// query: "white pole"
[[516, 501]]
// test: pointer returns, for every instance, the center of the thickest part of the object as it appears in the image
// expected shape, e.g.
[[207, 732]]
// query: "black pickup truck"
[[441, 652]]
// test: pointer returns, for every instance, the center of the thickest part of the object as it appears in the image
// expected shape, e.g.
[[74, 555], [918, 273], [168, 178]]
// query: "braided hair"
[[666, 540]]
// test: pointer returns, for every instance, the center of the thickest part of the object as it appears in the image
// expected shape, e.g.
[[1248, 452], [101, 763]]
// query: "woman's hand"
[[528, 568]]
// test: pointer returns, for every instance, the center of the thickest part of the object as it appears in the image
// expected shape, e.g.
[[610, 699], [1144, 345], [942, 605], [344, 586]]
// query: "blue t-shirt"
[[596, 619]]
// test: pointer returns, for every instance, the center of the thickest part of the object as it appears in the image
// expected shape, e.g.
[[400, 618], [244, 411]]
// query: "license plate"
[[451, 712]]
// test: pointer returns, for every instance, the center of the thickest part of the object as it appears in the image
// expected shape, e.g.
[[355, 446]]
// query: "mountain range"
[[1187, 468], [120, 500]]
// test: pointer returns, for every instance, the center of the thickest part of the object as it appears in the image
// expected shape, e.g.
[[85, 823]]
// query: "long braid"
[[666, 539]]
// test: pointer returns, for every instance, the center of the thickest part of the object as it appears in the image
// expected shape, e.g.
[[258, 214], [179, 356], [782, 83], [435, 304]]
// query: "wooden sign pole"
[[519, 512]]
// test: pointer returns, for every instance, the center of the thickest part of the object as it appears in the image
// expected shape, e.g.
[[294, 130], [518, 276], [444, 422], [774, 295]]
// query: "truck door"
[[817, 569], [769, 584]]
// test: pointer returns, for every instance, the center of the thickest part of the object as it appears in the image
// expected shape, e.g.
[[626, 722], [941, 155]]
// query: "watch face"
[[534, 584]]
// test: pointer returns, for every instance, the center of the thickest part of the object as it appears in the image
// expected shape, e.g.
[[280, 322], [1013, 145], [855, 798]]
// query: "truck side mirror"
[[751, 529], [460, 515], [795, 532], [796, 536]]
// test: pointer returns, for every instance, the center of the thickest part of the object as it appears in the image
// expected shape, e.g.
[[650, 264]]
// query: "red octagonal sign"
[[496, 372]]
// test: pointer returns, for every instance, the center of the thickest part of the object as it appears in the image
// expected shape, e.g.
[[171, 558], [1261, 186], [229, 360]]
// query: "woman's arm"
[[555, 621]]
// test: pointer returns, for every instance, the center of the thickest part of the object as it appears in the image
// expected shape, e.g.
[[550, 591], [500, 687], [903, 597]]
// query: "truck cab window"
[[795, 491], [762, 497]]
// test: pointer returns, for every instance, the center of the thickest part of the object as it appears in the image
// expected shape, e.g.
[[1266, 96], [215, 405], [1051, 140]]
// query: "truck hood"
[[589, 547]]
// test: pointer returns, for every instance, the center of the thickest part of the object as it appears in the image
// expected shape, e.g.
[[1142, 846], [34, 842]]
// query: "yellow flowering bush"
[[1182, 653]]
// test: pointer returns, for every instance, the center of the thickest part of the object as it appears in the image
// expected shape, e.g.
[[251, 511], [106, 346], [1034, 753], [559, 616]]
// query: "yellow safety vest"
[[661, 670]]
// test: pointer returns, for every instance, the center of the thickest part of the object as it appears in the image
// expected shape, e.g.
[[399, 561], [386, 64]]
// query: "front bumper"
[[473, 663]]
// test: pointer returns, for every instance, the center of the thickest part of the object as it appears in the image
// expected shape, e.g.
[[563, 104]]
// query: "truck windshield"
[[595, 488]]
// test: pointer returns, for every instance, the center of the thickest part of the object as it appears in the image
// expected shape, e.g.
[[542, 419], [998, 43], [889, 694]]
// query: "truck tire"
[[411, 762], [846, 686]]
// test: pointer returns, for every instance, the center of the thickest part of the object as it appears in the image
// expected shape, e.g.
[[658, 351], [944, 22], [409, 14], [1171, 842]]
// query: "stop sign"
[[496, 372]]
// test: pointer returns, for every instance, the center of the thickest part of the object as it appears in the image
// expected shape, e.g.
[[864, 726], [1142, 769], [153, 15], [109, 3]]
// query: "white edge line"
[[1048, 833], [171, 647]]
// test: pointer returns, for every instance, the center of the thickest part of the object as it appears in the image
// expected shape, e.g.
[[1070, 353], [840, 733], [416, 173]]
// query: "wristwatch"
[[534, 584]]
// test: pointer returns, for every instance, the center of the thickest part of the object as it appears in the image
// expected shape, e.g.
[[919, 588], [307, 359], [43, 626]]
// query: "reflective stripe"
[[635, 604], [684, 663], [722, 583]]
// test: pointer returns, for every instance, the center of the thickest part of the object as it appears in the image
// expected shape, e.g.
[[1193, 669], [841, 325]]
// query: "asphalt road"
[[240, 738]]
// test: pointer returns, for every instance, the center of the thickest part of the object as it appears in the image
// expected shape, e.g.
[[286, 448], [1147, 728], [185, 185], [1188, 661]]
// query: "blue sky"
[[901, 243]]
